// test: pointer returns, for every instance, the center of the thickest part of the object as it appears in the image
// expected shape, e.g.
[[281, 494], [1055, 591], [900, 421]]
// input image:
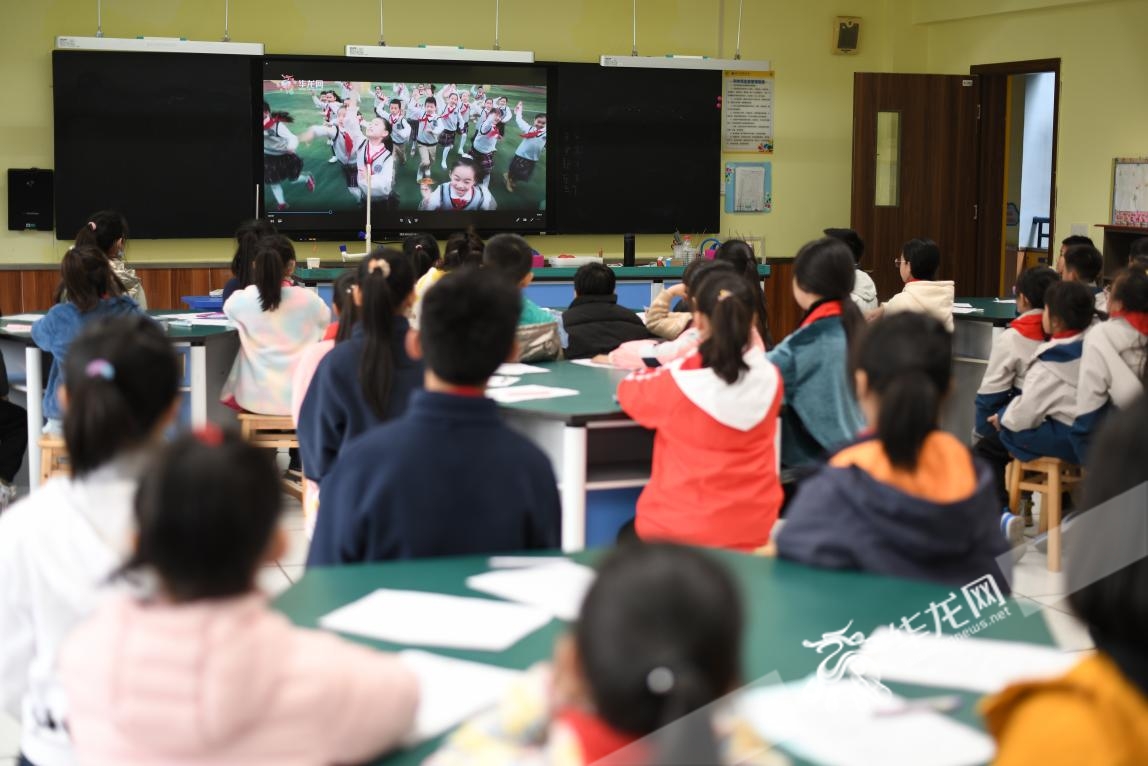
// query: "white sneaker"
[[333, 159]]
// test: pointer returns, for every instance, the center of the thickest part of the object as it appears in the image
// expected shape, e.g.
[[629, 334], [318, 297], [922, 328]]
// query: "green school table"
[[785, 604], [973, 336], [591, 443], [207, 353]]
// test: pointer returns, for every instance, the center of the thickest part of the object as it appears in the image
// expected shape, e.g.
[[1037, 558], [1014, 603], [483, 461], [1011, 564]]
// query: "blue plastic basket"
[[203, 302]]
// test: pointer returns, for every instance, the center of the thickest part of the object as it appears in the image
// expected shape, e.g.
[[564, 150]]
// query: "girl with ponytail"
[[714, 479], [657, 643], [739, 254], [92, 292], [107, 230], [908, 500], [247, 238], [368, 378], [277, 322], [821, 413], [59, 545]]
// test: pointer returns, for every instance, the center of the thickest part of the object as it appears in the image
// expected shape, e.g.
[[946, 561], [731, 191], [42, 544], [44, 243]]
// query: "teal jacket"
[[820, 413]]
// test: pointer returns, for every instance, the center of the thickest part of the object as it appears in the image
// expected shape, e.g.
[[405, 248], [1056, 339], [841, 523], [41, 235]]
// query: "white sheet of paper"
[[557, 587], [1004, 300], [451, 691], [965, 310], [834, 724], [23, 317], [977, 664], [501, 381], [518, 562], [518, 368], [17, 327], [527, 393], [962, 305], [434, 619], [592, 363]]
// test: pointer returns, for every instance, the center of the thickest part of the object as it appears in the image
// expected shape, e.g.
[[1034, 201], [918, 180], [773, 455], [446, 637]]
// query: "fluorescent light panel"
[[439, 53], [157, 45], [685, 62]]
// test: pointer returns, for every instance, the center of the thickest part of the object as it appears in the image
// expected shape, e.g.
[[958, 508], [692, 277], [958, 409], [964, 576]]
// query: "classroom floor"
[[1033, 582]]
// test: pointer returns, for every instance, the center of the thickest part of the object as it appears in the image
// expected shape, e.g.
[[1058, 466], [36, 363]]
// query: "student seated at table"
[[909, 500], [276, 322], [1036, 423], [1096, 713], [463, 248], [821, 413], [539, 336], [665, 317], [107, 231], [658, 639], [59, 545], [923, 292], [864, 291], [595, 322], [739, 254], [1115, 358], [1083, 263], [714, 478], [93, 293], [1138, 253], [247, 238], [197, 668], [422, 250], [448, 477], [368, 378]]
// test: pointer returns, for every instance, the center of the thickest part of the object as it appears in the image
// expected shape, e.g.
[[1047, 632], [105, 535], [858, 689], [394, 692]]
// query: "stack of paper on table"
[[431, 619], [451, 691], [977, 664], [557, 587], [528, 393], [845, 723], [518, 368]]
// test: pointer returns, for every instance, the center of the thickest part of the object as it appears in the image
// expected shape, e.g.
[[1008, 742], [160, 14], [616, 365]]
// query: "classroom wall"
[[813, 97], [1104, 76]]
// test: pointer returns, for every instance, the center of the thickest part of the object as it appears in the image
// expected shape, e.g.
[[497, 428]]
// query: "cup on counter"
[[314, 263]]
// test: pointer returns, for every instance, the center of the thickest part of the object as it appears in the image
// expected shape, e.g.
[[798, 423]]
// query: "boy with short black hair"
[[595, 323], [484, 488], [511, 257], [1083, 263]]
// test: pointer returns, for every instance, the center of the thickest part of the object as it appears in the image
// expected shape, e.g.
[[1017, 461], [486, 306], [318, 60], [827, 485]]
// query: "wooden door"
[[934, 173]]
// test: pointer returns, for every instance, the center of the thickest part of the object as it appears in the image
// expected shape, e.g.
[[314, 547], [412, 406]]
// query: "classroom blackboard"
[[635, 150]]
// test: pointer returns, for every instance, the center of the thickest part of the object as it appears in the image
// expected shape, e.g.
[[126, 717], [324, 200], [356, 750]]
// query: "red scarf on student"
[[597, 738], [348, 143], [1029, 326], [1065, 334], [534, 133], [271, 122], [1138, 319], [824, 311], [459, 204]]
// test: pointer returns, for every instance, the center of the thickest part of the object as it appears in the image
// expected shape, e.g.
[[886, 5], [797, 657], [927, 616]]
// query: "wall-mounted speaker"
[[30, 199], [846, 34]]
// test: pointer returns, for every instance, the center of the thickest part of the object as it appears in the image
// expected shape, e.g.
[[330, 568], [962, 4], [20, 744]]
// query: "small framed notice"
[[748, 187], [747, 112], [1130, 191]]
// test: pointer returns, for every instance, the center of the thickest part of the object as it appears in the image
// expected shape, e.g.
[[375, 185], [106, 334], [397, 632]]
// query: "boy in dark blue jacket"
[[448, 477], [595, 323]]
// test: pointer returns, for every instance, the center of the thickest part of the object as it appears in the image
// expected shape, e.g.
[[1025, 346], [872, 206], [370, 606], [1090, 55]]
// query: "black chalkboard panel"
[[165, 138], [635, 150]]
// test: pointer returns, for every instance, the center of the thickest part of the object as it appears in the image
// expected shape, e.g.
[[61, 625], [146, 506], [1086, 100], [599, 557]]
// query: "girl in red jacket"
[[714, 480]]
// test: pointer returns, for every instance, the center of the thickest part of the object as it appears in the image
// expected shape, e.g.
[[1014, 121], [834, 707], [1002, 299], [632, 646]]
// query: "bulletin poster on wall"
[[747, 112], [748, 187], [1130, 191]]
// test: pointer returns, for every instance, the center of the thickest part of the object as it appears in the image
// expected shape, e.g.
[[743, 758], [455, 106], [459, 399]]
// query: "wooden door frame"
[[991, 180]]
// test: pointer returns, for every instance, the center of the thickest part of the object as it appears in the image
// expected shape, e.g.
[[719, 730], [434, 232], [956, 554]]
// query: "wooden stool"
[[53, 457], [1048, 476], [273, 432]]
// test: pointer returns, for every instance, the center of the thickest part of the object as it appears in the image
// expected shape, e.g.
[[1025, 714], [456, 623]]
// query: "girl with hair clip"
[[247, 236], [1097, 712], [197, 668], [640, 354], [108, 231], [739, 254], [93, 292], [368, 378], [276, 322], [422, 250], [657, 643], [820, 414], [714, 478], [908, 500], [1114, 360], [59, 545]]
